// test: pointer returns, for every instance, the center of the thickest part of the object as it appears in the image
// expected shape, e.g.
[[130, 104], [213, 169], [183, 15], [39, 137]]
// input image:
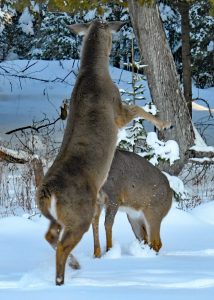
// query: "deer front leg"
[[129, 112], [109, 221], [95, 226]]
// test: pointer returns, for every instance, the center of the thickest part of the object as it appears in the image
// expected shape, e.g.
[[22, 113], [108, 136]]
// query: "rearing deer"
[[69, 190]]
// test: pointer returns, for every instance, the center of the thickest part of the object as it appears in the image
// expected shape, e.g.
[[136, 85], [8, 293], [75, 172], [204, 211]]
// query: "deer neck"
[[96, 65], [95, 58]]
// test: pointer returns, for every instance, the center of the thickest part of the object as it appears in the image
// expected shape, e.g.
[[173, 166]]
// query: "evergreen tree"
[[202, 44], [55, 40], [18, 29], [24, 32], [6, 28], [201, 36], [135, 133]]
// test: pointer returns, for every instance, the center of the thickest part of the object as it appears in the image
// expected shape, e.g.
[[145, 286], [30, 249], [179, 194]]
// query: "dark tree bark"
[[183, 8], [38, 171], [162, 77]]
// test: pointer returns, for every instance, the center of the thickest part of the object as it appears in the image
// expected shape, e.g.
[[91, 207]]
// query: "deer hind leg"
[[52, 235], [129, 112], [154, 237], [73, 262], [153, 228], [68, 241], [95, 226], [111, 211]]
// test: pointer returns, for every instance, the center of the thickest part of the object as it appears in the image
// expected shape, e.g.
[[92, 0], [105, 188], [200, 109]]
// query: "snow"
[[200, 116], [168, 150], [151, 108], [1, 28], [204, 159], [5, 18], [16, 154], [26, 100], [210, 46], [204, 212], [176, 185], [166, 12], [184, 268], [35, 7], [12, 55], [90, 15], [26, 22], [200, 145]]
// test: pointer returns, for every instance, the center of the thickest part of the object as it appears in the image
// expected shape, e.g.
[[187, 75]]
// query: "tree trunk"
[[183, 8], [38, 171], [162, 78]]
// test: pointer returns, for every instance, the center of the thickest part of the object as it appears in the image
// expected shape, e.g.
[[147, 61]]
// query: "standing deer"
[[141, 190], [68, 193]]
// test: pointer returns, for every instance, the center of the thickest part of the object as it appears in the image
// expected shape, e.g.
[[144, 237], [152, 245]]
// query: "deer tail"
[[43, 197]]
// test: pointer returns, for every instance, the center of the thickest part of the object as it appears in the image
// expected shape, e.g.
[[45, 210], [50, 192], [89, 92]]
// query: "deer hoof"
[[59, 281], [97, 253]]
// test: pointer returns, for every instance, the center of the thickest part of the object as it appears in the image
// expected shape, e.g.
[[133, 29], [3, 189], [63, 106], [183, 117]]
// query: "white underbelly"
[[134, 214], [137, 216], [53, 209]]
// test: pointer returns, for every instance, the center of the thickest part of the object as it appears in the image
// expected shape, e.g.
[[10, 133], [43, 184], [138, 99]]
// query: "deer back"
[[134, 182]]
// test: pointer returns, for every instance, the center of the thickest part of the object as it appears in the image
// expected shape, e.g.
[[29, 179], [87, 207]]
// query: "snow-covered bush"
[[18, 181], [17, 189]]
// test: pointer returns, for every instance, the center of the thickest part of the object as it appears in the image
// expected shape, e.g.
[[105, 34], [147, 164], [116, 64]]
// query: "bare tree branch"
[[33, 127], [12, 72], [63, 116], [29, 66], [11, 156], [207, 104], [200, 154]]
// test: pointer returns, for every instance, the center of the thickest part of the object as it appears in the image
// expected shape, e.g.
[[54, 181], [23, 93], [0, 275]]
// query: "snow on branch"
[[21, 157], [200, 148], [12, 156]]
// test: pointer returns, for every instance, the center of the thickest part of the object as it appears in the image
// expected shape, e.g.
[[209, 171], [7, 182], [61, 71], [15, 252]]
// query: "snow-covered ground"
[[184, 268]]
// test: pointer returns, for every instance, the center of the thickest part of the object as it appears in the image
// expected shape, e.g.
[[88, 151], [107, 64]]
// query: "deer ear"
[[116, 25], [79, 29]]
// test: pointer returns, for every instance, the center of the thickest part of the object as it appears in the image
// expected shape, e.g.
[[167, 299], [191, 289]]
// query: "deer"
[[68, 192], [140, 189]]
